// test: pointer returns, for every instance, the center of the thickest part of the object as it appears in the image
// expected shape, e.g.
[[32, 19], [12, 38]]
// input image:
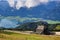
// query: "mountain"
[[50, 11], [14, 21]]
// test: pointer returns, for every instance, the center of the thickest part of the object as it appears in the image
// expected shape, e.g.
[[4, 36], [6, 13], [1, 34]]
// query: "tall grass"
[[16, 36]]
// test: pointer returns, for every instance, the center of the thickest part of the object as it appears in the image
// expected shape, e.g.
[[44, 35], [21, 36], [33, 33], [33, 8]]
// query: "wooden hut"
[[42, 28]]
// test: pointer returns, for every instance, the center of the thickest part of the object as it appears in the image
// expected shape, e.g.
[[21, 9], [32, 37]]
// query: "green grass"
[[16, 36], [57, 28]]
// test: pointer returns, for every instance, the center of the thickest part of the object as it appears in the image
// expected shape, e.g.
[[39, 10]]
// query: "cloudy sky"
[[27, 3]]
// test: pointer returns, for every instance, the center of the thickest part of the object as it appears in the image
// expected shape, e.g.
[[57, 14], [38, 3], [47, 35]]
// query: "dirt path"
[[22, 32], [57, 33]]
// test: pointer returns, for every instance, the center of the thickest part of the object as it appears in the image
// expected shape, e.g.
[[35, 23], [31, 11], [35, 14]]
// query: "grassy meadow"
[[16, 36]]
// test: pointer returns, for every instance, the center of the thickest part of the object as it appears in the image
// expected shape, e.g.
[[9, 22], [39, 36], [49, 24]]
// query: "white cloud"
[[19, 4], [44, 1], [31, 3], [26, 3]]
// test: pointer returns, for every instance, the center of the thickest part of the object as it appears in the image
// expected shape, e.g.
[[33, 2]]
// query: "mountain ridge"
[[38, 11]]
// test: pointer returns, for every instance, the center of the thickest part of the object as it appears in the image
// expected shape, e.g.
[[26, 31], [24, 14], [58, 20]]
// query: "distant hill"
[[33, 25], [14, 21]]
